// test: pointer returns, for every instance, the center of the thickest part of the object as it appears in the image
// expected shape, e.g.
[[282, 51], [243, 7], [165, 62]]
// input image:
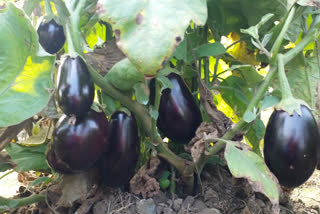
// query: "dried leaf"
[[77, 188], [221, 121], [143, 182]]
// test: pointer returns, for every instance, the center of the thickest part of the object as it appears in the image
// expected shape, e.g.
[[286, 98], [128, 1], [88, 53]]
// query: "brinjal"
[[81, 144], [179, 114], [290, 146], [75, 87], [120, 161], [51, 36], [55, 163]]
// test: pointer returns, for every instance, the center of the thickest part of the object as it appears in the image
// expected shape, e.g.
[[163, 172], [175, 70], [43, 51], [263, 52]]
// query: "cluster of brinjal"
[[82, 137]]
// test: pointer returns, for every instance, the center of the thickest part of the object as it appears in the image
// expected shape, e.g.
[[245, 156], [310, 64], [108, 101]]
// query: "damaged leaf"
[[143, 181], [254, 169], [147, 32]]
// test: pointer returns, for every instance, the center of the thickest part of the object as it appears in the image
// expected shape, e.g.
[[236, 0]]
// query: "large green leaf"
[[247, 164], [24, 78], [28, 157], [148, 31]]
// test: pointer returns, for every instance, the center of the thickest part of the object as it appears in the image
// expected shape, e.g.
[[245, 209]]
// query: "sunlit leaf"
[[24, 78], [148, 31]]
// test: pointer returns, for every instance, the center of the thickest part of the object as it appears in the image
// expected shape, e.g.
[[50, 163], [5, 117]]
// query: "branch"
[[277, 44], [7, 204]]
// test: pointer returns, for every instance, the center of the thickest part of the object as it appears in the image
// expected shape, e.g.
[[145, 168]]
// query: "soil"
[[218, 193]]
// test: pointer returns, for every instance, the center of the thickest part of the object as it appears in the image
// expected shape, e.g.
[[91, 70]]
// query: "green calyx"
[[291, 105], [288, 103]]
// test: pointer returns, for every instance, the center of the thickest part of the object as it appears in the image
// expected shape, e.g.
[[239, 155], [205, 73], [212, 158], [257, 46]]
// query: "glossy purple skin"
[[75, 87], [82, 144], [179, 115], [120, 161], [51, 36], [290, 146], [56, 164]]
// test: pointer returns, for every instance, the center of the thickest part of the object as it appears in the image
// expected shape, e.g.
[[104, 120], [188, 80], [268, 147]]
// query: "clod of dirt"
[[143, 182], [177, 204], [146, 206]]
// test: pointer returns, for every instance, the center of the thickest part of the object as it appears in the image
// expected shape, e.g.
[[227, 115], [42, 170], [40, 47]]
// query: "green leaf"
[[153, 113], [247, 164], [24, 80], [165, 175], [254, 30], [214, 160], [186, 156], [28, 158], [142, 93], [249, 117], [269, 101], [250, 74], [123, 75], [147, 31], [183, 51], [234, 91], [4, 167], [110, 103], [210, 49], [39, 181], [255, 135], [165, 82], [96, 35]]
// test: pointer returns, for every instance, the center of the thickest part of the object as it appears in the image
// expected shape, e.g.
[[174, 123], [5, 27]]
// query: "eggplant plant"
[[203, 72]]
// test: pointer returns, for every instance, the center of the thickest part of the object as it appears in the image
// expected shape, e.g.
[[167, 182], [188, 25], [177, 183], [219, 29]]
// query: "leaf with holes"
[[148, 31], [254, 169]]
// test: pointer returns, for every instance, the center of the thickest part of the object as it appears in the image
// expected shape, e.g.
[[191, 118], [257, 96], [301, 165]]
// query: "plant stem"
[[7, 173], [277, 44], [6, 204], [309, 37], [206, 70], [157, 91], [284, 84]]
